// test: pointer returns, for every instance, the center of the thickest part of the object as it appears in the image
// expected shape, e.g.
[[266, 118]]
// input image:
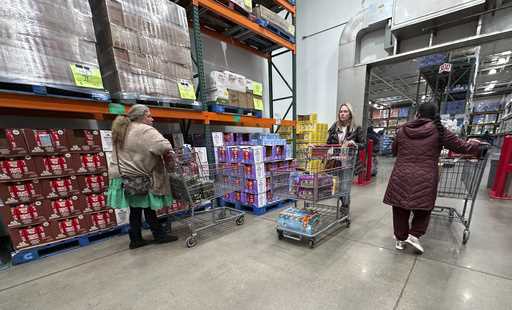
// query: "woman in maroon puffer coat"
[[413, 183]]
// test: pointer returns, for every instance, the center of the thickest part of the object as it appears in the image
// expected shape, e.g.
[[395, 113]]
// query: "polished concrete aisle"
[[249, 268]]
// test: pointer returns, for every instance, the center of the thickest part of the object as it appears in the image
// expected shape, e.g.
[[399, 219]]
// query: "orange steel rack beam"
[[99, 110], [287, 5], [243, 21]]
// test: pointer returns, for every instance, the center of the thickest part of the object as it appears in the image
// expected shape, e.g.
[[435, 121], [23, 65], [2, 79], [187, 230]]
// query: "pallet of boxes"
[[268, 18], [310, 132], [234, 93], [49, 47], [144, 51], [52, 185]]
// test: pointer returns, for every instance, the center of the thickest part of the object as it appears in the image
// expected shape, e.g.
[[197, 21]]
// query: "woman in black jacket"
[[344, 131]]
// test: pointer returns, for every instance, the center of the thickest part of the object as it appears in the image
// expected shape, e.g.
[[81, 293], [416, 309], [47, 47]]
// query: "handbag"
[[134, 185]]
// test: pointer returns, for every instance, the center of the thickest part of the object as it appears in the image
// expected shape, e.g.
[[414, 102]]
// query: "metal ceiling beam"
[[393, 87]]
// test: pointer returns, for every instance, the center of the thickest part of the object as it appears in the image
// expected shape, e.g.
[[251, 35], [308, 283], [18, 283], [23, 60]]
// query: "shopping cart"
[[199, 185], [317, 187], [459, 178]]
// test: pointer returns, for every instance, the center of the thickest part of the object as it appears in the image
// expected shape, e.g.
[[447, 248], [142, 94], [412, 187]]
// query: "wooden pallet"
[[275, 29], [255, 210], [59, 247], [159, 102], [219, 108], [62, 91]]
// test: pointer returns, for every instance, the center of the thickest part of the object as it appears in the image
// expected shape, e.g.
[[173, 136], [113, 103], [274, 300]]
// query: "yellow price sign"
[[257, 88], [248, 3], [85, 76], [258, 104], [186, 90]]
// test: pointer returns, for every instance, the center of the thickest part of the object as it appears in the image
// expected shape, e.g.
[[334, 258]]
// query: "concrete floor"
[[249, 268]]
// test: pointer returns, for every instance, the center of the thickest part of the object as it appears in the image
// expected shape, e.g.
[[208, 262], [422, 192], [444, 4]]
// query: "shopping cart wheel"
[[191, 241], [280, 234], [311, 243], [465, 236], [240, 220], [348, 222]]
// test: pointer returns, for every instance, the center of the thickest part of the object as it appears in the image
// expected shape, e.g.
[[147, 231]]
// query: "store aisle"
[[248, 268]]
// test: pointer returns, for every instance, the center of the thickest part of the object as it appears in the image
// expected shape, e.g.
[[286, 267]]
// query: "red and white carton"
[[65, 207], [95, 202], [90, 162], [33, 235], [20, 192], [12, 142], [84, 140], [95, 183], [60, 187], [24, 214], [101, 220], [54, 165], [17, 169], [70, 227], [46, 141]]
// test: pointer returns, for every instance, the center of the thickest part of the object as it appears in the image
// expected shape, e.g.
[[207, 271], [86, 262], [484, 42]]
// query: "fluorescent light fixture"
[[490, 86], [492, 71]]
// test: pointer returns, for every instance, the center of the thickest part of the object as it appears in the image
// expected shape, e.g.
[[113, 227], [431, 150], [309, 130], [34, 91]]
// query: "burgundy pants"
[[418, 225]]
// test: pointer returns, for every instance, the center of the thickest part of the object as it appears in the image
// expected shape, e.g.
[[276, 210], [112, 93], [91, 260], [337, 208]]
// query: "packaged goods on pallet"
[[47, 42], [274, 18], [255, 91], [246, 5], [217, 89], [143, 48]]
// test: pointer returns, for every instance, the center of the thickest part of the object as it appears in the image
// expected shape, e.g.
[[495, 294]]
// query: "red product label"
[[95, 182], [22, 191], [32, 234], [101, 219], [248, 169], [63, 207], [246, 154], [90, 161], [69, 226], [63, 186], [14, 167], [24, 212], [249, 184], [10, 138], [250, 198], [235, 153], [89, 137], [96, 201], [55, 164]]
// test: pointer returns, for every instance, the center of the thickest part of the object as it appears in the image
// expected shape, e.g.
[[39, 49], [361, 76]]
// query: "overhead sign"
[[446, 67]]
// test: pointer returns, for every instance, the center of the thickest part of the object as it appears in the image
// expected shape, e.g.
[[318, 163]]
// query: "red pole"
[[369, 161], [503, 170]]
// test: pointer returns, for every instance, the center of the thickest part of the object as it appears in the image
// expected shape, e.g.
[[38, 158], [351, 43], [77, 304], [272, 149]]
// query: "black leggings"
[[136, 223]]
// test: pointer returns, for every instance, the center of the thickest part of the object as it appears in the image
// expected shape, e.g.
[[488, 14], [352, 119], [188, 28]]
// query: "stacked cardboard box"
[[143, 48], [234, 90], [43, 41], [250, 169], [52, 184], [274, 18], [310, 132]]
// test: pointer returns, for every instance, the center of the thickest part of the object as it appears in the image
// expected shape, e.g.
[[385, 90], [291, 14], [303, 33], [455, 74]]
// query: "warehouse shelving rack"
[[258, 40], [222, 22]]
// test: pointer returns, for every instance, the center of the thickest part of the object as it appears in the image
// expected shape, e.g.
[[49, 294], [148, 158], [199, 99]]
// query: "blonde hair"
[[351, 123], [122, 122]]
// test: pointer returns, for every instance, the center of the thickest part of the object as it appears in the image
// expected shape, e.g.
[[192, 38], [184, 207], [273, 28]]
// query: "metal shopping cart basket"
[[327, 177], [199, 185], [459, 178]]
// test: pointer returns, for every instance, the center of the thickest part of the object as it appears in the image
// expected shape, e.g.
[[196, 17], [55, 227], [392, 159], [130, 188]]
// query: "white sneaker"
[[415, 242], [399, 245]]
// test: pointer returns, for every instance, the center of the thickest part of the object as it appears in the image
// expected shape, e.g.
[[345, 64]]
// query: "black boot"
[[136, 240]]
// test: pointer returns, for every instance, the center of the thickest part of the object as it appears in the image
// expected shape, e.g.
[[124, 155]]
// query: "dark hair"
[[429, 110]]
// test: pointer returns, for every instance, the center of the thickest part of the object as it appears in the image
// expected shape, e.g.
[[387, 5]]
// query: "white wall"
[[317, 56]]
